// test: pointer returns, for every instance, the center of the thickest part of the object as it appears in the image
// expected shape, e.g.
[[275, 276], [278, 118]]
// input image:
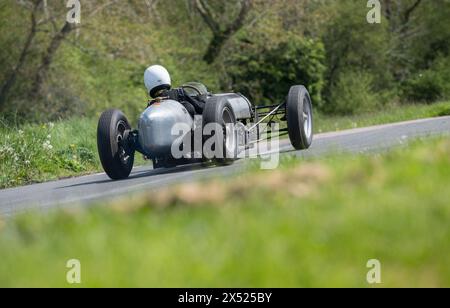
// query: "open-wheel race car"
[[191, 113]]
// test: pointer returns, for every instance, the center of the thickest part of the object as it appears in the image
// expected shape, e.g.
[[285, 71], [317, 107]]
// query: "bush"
[[354, 45], [424, 87], [267, 72], [352, 93], [430, 85]]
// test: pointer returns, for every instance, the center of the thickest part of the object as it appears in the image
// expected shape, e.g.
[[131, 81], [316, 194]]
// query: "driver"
[[159, 86]]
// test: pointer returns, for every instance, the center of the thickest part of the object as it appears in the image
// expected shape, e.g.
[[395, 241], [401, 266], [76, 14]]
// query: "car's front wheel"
[[116, 156], [299, 114]]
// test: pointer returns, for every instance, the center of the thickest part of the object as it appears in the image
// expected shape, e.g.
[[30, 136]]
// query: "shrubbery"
[[267, 72], [357, 63], [352, 93], [430, 85], [424, 87]]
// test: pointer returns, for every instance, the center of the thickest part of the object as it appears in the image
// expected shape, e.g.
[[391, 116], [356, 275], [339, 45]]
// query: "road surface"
[[86, 189]]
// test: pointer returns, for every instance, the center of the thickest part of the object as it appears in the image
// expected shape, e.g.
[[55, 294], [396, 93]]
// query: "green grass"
[[24, 158], [34, 153], [389, 114], [308, 224]]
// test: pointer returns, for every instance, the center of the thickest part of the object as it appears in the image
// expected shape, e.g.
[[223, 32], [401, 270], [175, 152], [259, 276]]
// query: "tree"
[[33, 6], [403, 31], [265, 72], [221, 33], [56, 40], [403, 14], [47, 58], [44, 20]]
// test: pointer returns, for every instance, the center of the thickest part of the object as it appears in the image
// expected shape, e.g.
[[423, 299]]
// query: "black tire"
[[115, 155], [219, 110], [299, 118]]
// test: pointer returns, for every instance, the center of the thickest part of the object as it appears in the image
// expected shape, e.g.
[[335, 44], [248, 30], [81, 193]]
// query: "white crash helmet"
[[156, 78]]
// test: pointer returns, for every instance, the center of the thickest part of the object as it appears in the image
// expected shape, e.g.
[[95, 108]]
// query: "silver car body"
[[155, 127], [156, 123]]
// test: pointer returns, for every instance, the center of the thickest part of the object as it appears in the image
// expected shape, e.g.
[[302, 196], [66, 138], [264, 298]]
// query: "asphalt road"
[[86, 189]]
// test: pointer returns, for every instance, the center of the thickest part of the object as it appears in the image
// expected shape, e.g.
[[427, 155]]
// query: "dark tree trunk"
[[388, 9], [410, 10], [47, 59], [214, 48], [11, 79], [220, 34]]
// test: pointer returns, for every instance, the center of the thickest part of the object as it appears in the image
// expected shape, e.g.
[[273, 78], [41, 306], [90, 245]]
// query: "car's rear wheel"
[[299, 114], [219, 112], [115, 154]]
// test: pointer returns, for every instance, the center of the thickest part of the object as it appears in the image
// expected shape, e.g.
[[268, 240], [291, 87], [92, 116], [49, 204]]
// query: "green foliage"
[[430, 85], [282, 43], [310, 235], [357, 65], [424, 40], [101, 65], [34, 153], [353, 44], [267, 72], [353, 93], [426, 87]]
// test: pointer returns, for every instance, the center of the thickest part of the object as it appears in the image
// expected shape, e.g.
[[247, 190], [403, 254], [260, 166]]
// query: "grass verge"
[[390, 114], [33, 153], [310, 223]]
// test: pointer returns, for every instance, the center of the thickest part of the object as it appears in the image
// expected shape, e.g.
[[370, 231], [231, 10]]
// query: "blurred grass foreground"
[[310, 223]]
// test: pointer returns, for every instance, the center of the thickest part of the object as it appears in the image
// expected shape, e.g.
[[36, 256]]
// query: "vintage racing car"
[[243, 125]]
